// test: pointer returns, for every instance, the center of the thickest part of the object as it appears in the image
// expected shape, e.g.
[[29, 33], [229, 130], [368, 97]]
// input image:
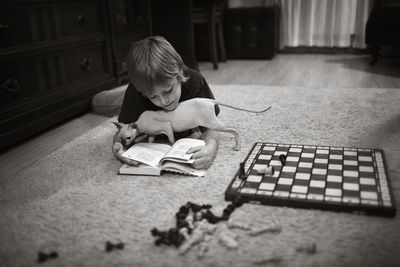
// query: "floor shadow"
[[387, 65], [385, 134]]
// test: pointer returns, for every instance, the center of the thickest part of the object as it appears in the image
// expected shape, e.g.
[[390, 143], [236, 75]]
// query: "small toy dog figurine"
[[189, 114]]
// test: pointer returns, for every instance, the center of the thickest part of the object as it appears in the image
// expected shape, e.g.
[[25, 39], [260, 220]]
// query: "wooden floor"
[[310, 70]]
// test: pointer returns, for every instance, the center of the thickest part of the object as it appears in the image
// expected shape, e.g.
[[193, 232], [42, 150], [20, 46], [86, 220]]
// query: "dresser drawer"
[[16, 26], [83, 62], [78, 17], [21, 80], [44, 21], [49, 74]]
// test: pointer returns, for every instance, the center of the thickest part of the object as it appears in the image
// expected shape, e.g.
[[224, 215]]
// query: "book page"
[[147, 153], [182, 168], [179, 149]]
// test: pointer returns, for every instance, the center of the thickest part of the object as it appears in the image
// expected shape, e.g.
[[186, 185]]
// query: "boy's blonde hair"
[[153, 61]]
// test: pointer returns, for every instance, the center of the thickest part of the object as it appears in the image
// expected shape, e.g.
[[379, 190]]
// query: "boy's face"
[[166, 96]]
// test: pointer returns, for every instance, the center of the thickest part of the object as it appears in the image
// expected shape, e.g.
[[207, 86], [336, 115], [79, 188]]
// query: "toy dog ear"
[[117, 124], [135, 126]]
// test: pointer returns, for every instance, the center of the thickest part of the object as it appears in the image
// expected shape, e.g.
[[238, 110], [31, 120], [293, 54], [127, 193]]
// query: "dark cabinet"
[[173, 19], [130, 21], [383, 27], [55, 55]]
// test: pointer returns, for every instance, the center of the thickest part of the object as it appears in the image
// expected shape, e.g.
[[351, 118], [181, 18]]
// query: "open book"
[[156, 157]]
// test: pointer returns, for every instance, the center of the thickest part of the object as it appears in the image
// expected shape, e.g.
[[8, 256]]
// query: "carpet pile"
[[73, 201]]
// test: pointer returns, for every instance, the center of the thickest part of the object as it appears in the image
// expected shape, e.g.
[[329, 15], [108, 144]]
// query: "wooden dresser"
[[56, 54], [130, 21]]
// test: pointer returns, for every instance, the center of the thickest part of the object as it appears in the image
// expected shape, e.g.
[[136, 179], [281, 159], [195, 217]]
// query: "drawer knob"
[[86, 63], [11, 85], [3, 27], [80, 19]]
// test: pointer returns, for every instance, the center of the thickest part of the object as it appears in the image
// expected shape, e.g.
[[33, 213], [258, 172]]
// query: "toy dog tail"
[[243, 109]]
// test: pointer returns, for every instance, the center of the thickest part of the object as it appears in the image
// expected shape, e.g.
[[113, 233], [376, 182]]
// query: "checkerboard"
[[322, 177]]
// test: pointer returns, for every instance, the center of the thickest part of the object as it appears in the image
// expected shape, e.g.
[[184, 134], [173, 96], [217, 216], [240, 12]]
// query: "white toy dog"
[[189, 114]]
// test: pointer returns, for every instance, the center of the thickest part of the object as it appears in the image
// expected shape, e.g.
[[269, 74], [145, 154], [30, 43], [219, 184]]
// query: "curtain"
[[320, 23]]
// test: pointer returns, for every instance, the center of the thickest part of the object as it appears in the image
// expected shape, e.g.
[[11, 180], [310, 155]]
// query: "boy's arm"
[[204, 156]]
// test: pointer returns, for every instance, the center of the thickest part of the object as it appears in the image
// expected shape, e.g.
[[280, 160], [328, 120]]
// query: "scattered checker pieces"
[[321, 177]]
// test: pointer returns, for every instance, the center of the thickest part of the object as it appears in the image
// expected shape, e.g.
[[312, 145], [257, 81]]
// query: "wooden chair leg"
[[375, 54], [221, 42], [213, 43]]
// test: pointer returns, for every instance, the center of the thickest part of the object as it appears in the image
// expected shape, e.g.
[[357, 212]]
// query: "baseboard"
[[323, 50]]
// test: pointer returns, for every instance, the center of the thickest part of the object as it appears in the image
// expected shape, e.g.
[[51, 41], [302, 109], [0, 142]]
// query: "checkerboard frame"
[[322, 177]]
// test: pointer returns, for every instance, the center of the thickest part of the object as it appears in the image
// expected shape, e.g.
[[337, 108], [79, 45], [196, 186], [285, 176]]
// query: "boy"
[[160, 80]]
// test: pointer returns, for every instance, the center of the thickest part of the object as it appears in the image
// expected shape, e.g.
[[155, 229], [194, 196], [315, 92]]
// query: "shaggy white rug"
[[73, 201]]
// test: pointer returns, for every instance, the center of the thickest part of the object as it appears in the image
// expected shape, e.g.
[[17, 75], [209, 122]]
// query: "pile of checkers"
[[197, 224]]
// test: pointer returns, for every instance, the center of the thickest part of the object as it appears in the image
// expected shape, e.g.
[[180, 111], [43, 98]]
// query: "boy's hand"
[[203, 156]]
